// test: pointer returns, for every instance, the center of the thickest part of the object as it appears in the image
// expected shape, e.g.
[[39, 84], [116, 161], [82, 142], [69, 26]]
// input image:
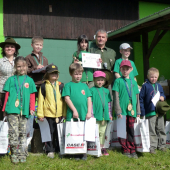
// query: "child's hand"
[[119, 116], [100, 60], [88, 116], [75, 114], [76, 60], [111, 118], [40, 66], [138, 116], [161, 98], [31, 112], [41, 119], [64, 117], [4, 114]]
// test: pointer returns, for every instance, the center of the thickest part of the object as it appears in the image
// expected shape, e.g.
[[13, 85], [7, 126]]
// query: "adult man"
[[107, 55]]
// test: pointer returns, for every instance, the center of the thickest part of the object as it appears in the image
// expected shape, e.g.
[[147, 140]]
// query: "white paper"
[[41, 69], [91, 60], [45, 130], [156, 98], [90, 128], [121, 127]]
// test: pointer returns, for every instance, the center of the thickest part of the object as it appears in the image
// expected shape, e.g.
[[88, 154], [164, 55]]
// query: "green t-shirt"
[[28, 88], [88, 72], [78, 92], [97, 103], [120, 87], [153, 113], [132, 74]]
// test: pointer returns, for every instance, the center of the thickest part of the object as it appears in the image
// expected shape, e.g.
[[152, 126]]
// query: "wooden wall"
[[68, 19]]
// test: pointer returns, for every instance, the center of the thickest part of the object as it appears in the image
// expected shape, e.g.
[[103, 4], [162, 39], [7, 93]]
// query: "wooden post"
[[145, 51]]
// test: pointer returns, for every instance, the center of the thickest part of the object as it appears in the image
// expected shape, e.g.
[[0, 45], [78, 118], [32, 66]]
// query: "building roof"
[[158, 20]]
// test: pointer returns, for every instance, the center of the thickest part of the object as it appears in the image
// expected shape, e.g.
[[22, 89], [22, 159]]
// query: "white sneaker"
[[50, 155]]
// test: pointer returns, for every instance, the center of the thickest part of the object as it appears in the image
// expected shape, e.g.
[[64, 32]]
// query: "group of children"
[[77, 100]]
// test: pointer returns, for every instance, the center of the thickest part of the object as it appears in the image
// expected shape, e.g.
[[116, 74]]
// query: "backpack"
[[43, 91]]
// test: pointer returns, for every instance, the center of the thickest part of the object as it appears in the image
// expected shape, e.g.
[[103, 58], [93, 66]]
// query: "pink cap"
[[99, 74], [125, 63]]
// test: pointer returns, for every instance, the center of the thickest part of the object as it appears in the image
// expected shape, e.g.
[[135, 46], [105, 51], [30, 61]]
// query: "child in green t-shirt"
[[19, 99], [82, 45], [78, 98], [126, 102], [125, 51], [101, 110]]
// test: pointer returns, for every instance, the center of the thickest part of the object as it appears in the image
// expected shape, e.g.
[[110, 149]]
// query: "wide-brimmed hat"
[[162, 107], [109, 77], [10, 41], [50, 69]]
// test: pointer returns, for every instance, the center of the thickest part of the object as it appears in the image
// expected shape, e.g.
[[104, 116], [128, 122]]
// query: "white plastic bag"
[[114, 138], [167, 131], [3, 136], [29, 129], [108, 134], [141, 135], [90, 125], [93, 148], [74, 138], [61, 137]]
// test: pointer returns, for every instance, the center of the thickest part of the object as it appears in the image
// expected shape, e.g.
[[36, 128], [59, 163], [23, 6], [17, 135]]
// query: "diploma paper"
[[121, 127], [90, 128], [156, 98], [91, 60], [45, 130]]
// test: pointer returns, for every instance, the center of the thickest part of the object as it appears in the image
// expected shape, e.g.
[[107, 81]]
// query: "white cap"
[[125, 46]]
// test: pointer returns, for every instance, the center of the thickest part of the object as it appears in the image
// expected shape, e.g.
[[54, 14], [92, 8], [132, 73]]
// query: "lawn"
[[115, 160]]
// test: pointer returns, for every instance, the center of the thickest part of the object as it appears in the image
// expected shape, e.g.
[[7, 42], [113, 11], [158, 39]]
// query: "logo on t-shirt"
[[83, 92], [26, 85]]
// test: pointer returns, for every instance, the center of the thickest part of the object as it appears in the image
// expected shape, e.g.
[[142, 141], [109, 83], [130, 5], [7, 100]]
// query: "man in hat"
[[9, 51]]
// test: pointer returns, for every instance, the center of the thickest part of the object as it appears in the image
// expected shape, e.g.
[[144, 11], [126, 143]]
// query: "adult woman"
[[9, 52]]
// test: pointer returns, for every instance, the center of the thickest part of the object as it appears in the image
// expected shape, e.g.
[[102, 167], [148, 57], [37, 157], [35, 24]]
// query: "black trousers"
[[53, 145]]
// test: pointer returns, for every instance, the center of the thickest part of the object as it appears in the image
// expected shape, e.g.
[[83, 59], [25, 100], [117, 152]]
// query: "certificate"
[[91, 60]]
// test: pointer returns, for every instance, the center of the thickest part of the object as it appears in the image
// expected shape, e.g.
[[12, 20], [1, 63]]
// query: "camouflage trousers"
[[17, 135]]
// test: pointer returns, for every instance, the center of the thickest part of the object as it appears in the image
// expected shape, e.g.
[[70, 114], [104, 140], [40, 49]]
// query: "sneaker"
[[127, 154], [104, 152], [152, 151], [84, 157], [23, 160], [14, 159], [163, 149], [134, 155], [50, 155]]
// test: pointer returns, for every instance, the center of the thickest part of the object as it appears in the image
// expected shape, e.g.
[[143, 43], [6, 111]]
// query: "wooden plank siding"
[[68, 19]]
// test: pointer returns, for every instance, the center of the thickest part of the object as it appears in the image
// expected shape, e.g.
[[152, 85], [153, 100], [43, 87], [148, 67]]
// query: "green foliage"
[[115, 161]]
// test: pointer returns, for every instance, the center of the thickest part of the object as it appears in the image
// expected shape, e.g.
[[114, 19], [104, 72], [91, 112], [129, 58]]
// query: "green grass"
[[115, 160]]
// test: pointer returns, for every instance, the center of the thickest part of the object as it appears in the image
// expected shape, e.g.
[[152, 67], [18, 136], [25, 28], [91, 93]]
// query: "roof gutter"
[[141, 21]]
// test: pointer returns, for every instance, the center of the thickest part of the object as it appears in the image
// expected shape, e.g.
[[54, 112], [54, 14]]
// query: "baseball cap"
[[125, 63], [99, 74], [125, 46], [51, 68]]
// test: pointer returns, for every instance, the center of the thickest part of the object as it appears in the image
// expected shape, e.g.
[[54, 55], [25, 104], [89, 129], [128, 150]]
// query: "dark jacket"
[[146, 95], [32, 65]]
